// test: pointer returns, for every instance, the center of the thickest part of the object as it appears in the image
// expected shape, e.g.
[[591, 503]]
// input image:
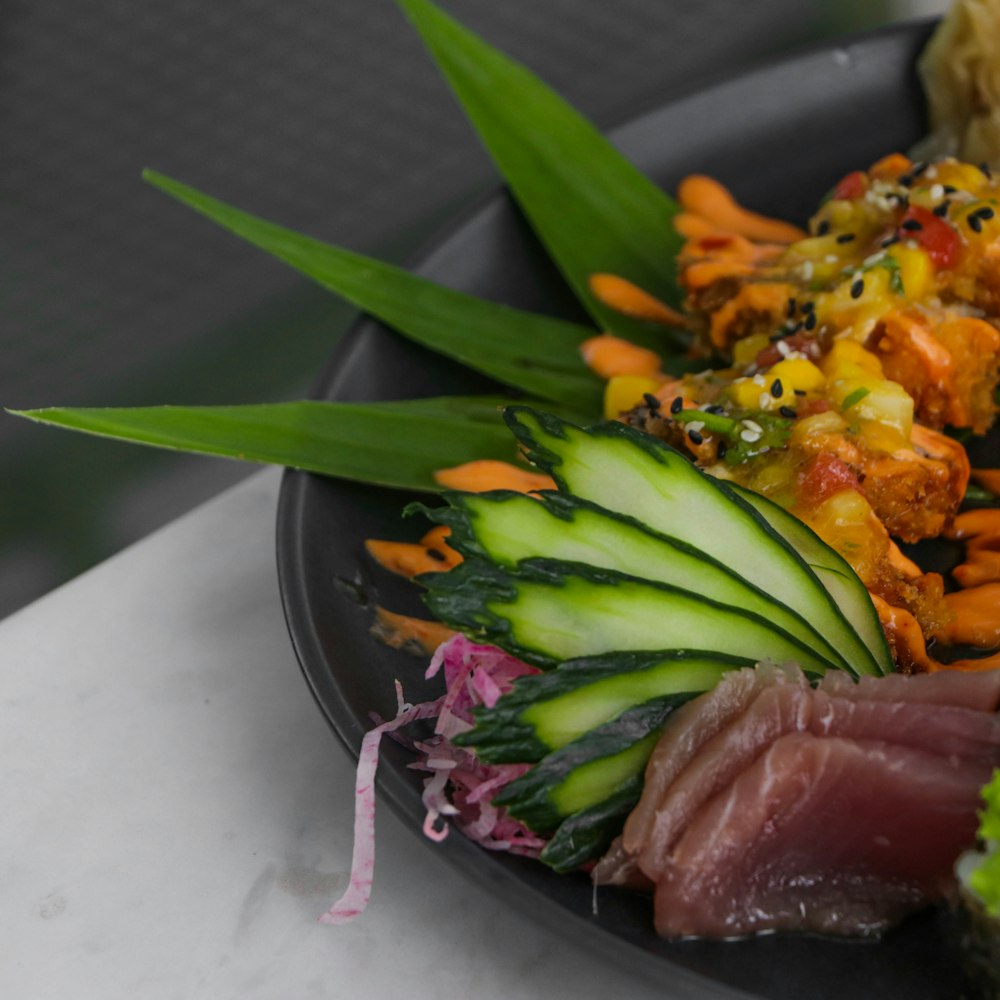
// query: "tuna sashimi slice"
[[979, 691], [822, 834], [693, 725], [780, 708]]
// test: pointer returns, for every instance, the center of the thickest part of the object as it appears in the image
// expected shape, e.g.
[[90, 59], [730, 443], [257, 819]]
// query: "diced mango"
[[845, 357], [746, 392], [915, 270], [870, 398], [623, 392], [746, 349], [797, 373]]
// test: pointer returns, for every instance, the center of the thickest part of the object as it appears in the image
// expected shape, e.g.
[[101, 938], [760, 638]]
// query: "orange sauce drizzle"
[[489, 474], [415, 634], [630, 300]]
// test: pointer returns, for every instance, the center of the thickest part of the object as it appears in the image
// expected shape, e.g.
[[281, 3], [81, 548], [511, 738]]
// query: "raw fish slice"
[[946, 687], [822, 834], [781, 708], [690, 727]]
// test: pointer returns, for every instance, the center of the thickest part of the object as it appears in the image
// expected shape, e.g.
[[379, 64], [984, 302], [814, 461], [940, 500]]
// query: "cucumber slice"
[[586, 835], [507, 528], [833, 571], [550, 611], [631, 473], [546, 711], [590, 770]]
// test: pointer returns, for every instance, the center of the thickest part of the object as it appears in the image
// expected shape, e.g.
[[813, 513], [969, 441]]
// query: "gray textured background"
[[325, 116]]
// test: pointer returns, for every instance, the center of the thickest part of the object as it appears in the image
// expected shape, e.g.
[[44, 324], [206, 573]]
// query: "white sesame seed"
[[783, 348], [753, 426], [913, 244], [695, 425], [831, 258], [750, 436], [759, 379], [873, 259], [764, 401], [930, 173], [807, 270], [937, 192], [797, 356]]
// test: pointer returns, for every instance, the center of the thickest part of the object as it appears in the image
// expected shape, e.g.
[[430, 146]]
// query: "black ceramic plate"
[[779, 137]]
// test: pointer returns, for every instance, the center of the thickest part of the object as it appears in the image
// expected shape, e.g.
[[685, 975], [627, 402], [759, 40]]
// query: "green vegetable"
[[589, 770], [984, 877], [547, 711], [631, 473], [507, 528], [588, 834], [833, 571], [549, 611]]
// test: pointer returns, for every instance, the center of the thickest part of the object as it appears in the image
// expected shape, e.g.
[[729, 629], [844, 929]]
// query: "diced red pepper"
[[822, 477], [852, 186], [936, 235]]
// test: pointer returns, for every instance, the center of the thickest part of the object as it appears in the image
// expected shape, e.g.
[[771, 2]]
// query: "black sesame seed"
[[858, 288], [905, 180], [720, 452], [823, 228], [942, 210], [787, 411], [985, 213], [845, 237], [810, 321], [975, 223], [791, 308], [948, 189], [889, 240], [799, 392], [918, 168], [985, 168], [777, 388], [651, 401], [807, 307], [436, 555], [677, 405], [912, 225], [715, 408], [695, 437]]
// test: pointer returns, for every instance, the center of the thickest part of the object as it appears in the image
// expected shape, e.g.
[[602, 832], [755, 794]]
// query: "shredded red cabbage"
[[460, 785]]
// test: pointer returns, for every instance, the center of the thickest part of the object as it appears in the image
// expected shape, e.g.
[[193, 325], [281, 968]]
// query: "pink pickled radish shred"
[[459, 784]]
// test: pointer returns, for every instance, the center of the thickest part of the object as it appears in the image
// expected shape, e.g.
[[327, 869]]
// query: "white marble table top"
[[177, 814]]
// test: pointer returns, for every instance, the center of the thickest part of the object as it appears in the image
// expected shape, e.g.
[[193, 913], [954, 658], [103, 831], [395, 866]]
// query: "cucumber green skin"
[[834, 572], [544, 712], [588, 834], [548, 611], [506, 528], [632, 473], [539, 797]]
